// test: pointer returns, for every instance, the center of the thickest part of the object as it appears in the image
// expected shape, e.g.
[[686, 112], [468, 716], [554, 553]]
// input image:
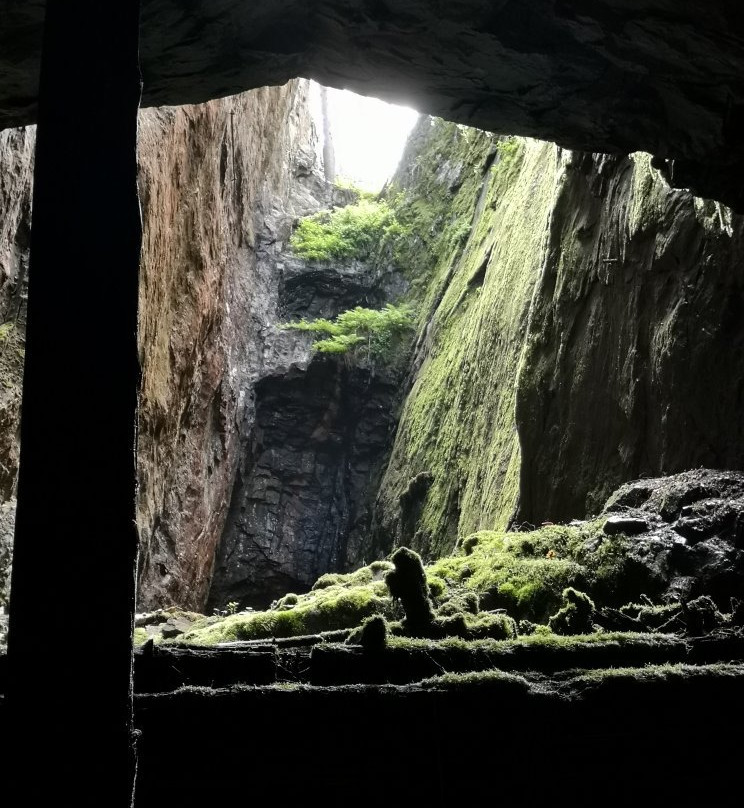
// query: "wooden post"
[[73, 584]]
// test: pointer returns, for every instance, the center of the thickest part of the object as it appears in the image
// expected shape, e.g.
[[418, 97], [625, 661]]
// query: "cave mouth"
[[362, 137], [584, 617], [97, 697]]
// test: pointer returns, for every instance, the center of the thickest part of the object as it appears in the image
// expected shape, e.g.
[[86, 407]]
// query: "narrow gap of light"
[[368, 136]]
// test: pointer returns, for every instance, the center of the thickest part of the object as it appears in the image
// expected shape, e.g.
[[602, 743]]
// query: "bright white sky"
[[368, 135]]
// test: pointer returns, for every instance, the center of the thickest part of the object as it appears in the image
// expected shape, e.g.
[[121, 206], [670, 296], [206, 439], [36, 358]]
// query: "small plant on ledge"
[[354, 231], [366, 334]]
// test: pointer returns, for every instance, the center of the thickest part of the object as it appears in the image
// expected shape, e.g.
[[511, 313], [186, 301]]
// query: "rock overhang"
[[605, 75]]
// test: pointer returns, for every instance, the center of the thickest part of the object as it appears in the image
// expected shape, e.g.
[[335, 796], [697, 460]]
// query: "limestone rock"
[[625, 524], [221, 184], [580, 311], [635, 321], [684, 565], [598, 76], [7, 523]]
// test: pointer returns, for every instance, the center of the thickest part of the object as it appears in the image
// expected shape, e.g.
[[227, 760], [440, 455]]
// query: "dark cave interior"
[[610, 75]]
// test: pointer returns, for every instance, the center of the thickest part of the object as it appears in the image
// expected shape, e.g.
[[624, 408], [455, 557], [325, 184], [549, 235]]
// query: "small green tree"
[[363, 333]]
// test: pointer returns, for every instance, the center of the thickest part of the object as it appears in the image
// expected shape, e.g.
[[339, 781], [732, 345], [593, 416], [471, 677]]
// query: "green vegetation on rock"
[[473, 207], [493, 580], [363, 333], [354, 231]]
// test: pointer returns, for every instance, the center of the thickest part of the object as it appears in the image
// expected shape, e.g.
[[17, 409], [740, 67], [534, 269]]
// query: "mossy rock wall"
[[580, 325], [634, 356], [477, 206]]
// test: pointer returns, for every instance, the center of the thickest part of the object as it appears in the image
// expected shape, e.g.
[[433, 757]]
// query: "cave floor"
[[651, 733]]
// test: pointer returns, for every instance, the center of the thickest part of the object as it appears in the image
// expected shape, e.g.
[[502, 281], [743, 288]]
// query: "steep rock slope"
[[477, 207], [221, 184], [16, 172], [633, 362], [580, 326], [315, 443], [16, 162]]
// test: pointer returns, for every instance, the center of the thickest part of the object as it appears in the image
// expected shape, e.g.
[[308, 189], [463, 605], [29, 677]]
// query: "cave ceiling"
[[663, 76]]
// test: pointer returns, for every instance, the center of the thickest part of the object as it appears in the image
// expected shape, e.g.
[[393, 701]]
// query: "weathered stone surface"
[[221, 184], [595, 75], [16, 164], [477, 216], [685, 562], [16, 172], [302, 500], [7, 524], [579, 292], [625, 524], [634, 353]]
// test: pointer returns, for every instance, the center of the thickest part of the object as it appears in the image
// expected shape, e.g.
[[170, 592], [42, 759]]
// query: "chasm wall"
[[580, 326]]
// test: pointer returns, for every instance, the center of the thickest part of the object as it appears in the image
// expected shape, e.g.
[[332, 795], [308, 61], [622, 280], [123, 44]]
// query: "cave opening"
[[578, 718]]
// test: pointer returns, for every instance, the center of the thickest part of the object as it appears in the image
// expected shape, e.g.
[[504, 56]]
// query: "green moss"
[[652, 616], [354, 231], [368, 334], [462, 600], [479, 593], [550, 641], [475, 216], [499, 681], [667, 672], [327, 609], [527, 573], [371, 635], [139, 637], [575, 615], [407, 584], [289, 601], [364, 575], [437, 587]]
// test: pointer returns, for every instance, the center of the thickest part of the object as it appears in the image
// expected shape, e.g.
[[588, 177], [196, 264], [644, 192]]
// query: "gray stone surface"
[[595, 75], [680, 564], [221, 185], [633, 363]]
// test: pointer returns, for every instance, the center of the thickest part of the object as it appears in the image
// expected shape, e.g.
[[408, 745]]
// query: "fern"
[[364, 333]]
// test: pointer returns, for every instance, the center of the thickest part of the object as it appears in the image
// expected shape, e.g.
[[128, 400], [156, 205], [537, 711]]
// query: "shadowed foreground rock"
[[693, 542]]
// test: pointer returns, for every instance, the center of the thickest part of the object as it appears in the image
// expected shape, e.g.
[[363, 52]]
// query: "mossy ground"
[[497, 585]]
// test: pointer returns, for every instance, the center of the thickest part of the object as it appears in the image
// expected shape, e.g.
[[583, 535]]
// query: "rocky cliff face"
[[478, 206], [314, 439], [579, 325], [633, 364], [577, 315], [16, 164], [16, 159], [222, 388], [255, 459], [301, 505], [221, 184]]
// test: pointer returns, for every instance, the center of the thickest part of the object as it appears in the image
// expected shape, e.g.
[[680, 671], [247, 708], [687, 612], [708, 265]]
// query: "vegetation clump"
[[363, 333], [575, 616], [407, 584], [371, 635], [343, 604], [526, 573], [354, 231]]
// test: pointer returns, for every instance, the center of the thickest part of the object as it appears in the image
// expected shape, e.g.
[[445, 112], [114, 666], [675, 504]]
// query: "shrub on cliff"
[[353, 231], [364, 333]]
